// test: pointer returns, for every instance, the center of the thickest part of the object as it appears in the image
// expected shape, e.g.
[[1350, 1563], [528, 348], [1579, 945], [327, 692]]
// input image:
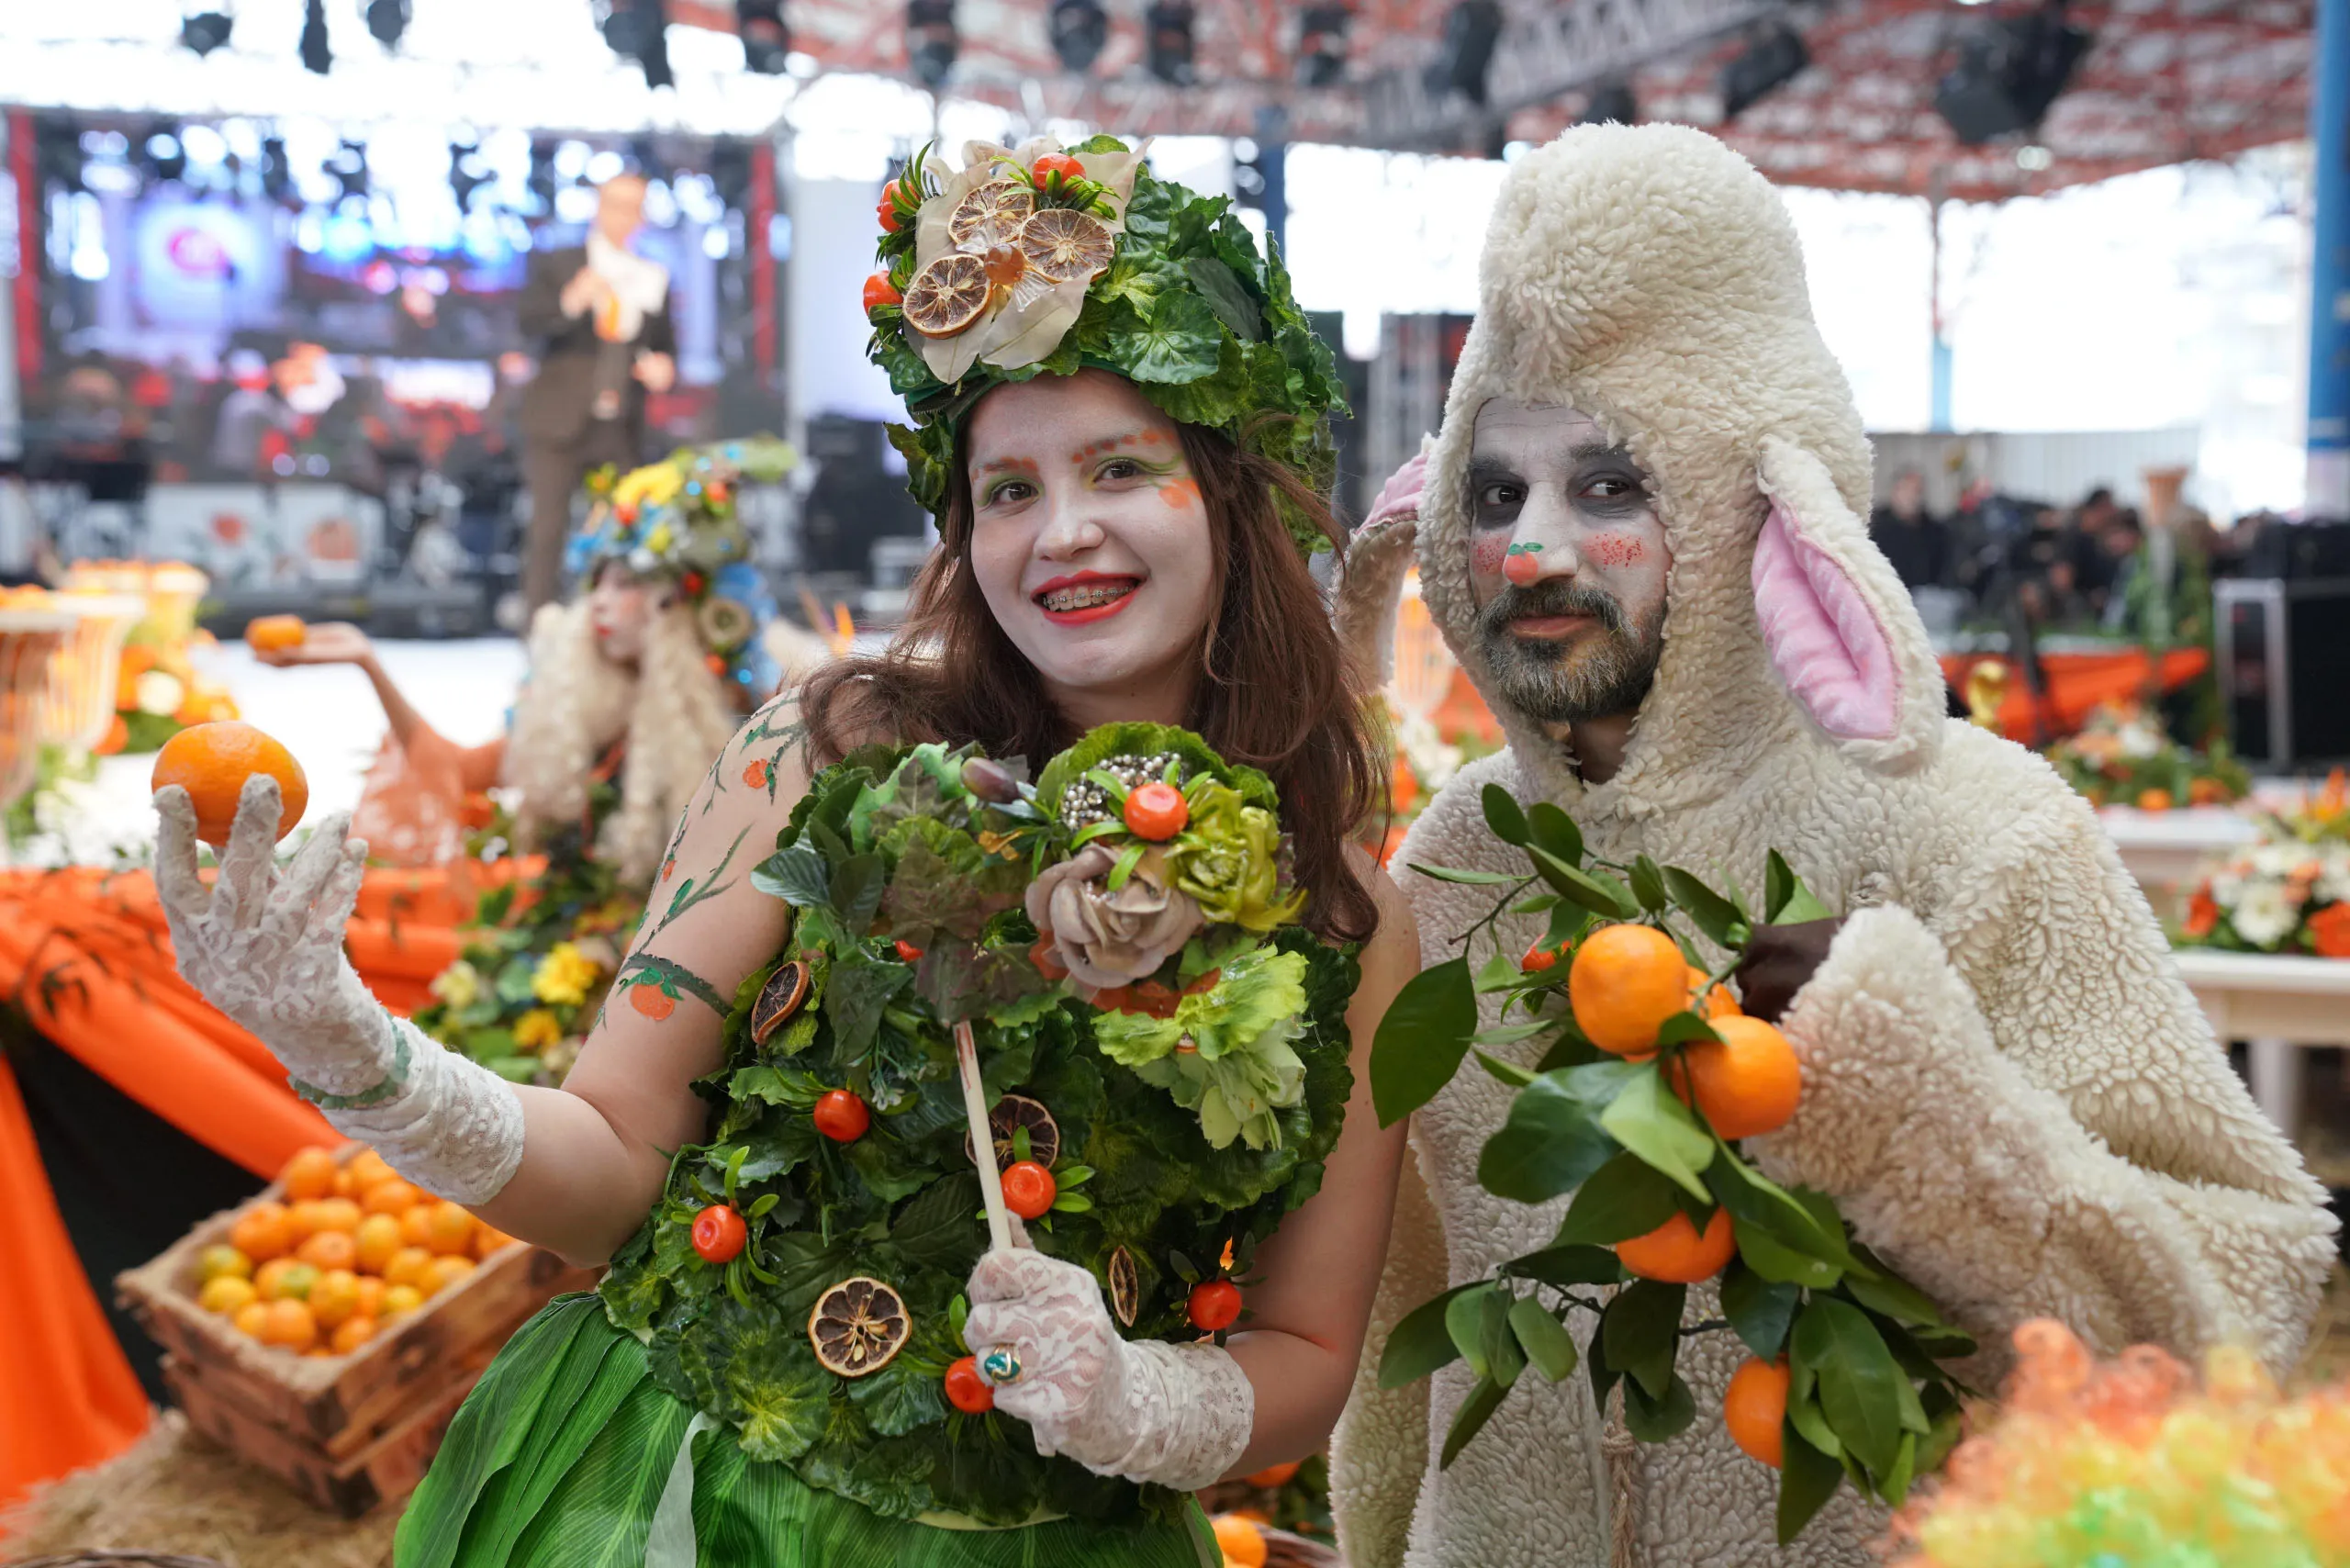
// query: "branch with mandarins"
[[1648, 1077]]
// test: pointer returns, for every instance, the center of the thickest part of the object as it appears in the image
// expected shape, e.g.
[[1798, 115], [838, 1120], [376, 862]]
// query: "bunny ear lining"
[[1824, 637]]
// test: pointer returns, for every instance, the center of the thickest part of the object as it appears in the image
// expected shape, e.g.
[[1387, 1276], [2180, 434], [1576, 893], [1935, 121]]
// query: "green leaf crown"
[[1188, 309]]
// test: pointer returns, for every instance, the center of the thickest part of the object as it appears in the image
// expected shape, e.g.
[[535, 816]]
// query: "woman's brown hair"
[[1273, 691]]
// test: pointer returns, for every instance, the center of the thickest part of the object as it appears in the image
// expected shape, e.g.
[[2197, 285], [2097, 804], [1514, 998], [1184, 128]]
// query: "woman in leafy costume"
[[762, 1132]]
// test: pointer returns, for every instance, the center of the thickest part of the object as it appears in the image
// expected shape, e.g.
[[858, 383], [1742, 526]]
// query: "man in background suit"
[[598, 317]]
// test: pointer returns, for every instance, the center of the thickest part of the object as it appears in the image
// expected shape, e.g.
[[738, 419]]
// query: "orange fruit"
[[389, 1196], [227, 1296], [341, 1213], [351, 1333], [285, 1279], [1240, 1541], [2153, 799], [250, 1317], [263, 1232], [416, 1225], [211, 761], [334, 1297], [1754, 1406], [947, 296], [274, 634], [343, 1185], [407, 1266], [1626, 981], [310, 1174], [377, 1239], [330, 1250], [217, 1261], [1674, 1253], [289, 1326], [442, 1273], [308, 1219], [399, 1301], [1066, 245], [1747, 1084], [370, 1297], [1710, 1004], [366, 1169], [1273, 1476], [488, 1240], [449, 1229]]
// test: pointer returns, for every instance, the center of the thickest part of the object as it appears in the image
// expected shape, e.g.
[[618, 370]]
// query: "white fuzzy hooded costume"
[[2006, 1085]]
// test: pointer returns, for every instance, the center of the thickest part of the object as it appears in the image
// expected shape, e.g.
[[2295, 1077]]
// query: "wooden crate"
[[335, 1425]]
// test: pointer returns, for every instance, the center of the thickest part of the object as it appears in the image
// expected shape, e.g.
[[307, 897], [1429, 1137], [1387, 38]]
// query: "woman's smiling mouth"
[[1087, 596]]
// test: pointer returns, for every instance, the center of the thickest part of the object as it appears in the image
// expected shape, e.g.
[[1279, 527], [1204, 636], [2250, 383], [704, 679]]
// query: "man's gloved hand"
[[1779, 960], [1176, 1415], [1378, 554], [265, 946]]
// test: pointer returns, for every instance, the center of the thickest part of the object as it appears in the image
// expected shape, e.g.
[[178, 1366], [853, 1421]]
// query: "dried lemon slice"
[[947, 296], [1067, 245], [778, 1000], [992, 212], [1012, 1113], [857, 1325], [1125, 1287]]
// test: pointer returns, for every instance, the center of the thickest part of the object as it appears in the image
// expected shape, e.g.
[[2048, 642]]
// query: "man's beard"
[[1586, 677]]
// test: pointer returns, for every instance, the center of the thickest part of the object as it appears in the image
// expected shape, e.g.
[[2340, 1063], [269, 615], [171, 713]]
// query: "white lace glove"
[[265, 948], [1378, 555], [1177, 1415]]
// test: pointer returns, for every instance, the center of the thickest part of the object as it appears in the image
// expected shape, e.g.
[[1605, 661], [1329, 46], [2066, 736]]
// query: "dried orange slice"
[[1067, 245], [992, 212], [947, 296], [1125, 1287], [857, 1326], [778, 1000], [1012, 1113]]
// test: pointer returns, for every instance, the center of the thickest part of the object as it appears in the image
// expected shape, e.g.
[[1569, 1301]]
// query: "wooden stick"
[[974, 1110]]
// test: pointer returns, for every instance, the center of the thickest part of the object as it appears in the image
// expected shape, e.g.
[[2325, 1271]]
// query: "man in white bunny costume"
[[2006, 1087]]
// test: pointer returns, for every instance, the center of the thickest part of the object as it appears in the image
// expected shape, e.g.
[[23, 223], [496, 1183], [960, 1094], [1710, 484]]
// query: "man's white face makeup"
[[1567, 561]]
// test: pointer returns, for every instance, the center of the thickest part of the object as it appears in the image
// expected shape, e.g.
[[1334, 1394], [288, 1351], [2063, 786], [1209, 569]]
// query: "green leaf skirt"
[[565, 1452]]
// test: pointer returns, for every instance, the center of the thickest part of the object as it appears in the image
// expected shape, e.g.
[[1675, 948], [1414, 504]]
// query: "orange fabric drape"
[[2077, 684], [87, 957]]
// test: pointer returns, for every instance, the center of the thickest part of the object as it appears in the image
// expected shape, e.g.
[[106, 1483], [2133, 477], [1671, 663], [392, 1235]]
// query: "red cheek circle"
[[1614, 550], [1487, 552], [1521, 569]]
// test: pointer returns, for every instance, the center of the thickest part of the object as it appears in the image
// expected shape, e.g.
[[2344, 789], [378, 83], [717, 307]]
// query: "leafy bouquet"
[[1650, 1077], [1159, 1048], [2287, 893], [2122, 757]]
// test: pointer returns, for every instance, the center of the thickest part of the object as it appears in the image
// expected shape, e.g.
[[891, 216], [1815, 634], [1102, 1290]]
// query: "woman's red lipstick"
[[1113, 592]]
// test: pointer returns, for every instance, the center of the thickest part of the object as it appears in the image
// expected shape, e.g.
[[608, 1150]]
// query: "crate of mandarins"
[[329, 1328]]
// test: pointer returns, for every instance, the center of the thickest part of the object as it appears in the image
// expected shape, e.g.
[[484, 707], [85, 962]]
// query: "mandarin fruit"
[[310, 1174], [1676, 1253], [399, 1301], [341, 1213], [306, 1218], [345, 1187], [1273, 1476], [489, 1241], [1755, 1408], [445, 1272], [250, 1317], [371, 1297], [211, 761], [227, 1296], [366, 1169], [1709, 1002], [289, 1326], [407, 1266], [215, 1262], [330, 1250], [416, 1225], [377, 1239], [334, 1297], [449, 1229], [274, 634], [390, 1196], [1625, 980], [1746, 1085], [351, 1333], [263, 1232], [1240, 1541]]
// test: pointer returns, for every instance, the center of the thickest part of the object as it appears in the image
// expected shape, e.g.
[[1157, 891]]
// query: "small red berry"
[[887, 209], [1029, 1189], [1157, 811], [719, 1234], [1538, 957], [907, 950], [1215, 1305], [967, 1390], [1053, 163], [880, 291], [842, 1116]]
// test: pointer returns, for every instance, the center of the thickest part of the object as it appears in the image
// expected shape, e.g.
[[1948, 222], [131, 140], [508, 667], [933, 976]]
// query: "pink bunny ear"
[[1838, 625]]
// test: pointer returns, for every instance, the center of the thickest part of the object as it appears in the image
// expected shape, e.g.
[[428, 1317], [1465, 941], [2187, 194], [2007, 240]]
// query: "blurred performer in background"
[[597, 316]]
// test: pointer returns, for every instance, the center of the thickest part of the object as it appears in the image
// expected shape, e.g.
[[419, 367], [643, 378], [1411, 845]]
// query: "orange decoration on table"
[[211, 761]]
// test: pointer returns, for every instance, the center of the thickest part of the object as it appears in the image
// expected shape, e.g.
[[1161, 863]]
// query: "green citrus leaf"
[[1860, 1384], [1647, 885], [1467, 879], [1707, 910], [1597, 892], [1421, 1040], [1651, 1124], [1663, 1417], [1475, 1411], [1503, 815], [1467, 1317], [1551, 829], [1549, 1349], [1641, 1329], [1759, 1310], [1419, 1343], [1808, 1478], [1571, 1265], [1624, 1198], [1552, 1141]]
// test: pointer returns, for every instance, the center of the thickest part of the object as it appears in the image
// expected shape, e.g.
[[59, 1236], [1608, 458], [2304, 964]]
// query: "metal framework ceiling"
[[2165, 81]]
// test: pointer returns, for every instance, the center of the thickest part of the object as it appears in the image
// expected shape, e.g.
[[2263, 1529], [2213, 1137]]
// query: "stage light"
[[205, 28], [1321, 44], [1167, 41], [316, 55], [637, 30], [2009, 72], [1610, 102], [1079, 29], [931, 41], [767, 38], [387, 19], [1773, 57], [1465, 53]]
